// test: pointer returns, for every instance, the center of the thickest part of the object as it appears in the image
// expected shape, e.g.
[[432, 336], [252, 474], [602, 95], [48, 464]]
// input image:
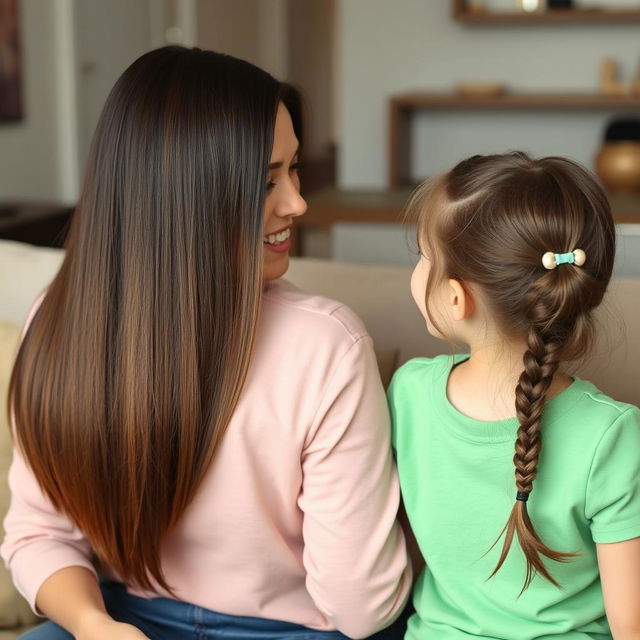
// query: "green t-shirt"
[[458, 487]]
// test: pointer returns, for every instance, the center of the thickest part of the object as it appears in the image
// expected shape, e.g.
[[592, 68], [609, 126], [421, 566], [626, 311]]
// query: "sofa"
[[379, 294]]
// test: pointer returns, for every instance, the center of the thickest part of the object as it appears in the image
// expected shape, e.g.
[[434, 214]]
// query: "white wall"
[[312, 68], [390, 47], [110, 35], [291, 39], [230, 27], [395, 244], [32, 163], [253, 30], [72, 52]]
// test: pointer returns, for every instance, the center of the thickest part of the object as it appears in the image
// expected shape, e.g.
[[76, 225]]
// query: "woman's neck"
[[483, 387]]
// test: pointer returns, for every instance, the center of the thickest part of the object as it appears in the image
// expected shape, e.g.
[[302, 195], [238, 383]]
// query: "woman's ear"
[[461, 302]]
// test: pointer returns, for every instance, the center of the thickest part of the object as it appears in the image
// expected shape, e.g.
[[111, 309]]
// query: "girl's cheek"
[[418, 287]]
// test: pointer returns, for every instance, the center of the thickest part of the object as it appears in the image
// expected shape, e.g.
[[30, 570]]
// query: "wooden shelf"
[[544, 17], [329, 206], [435, 100], [402, 108], [553, 17], [386, 206]]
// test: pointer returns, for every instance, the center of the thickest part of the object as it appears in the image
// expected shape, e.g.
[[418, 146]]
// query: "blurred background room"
[[397, 90]]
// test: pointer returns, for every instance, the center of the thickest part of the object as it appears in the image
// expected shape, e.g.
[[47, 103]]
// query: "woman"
[[215, 438]]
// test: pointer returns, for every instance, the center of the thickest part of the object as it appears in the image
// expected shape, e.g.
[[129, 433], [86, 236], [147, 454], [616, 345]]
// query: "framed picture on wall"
[[10, 75]]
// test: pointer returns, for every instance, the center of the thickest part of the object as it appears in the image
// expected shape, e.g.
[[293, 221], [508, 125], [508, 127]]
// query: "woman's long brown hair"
[[132, 366], [488, 222]]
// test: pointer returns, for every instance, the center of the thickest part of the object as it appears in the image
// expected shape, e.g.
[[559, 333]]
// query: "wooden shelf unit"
[[461, 13], [403, 107], [331, 206]]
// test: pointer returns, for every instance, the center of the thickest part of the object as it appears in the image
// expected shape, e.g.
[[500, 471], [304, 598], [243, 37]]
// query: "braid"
[[541, 361]]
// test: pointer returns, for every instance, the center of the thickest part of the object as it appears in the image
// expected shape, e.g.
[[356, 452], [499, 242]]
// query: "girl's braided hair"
[[488, 222]]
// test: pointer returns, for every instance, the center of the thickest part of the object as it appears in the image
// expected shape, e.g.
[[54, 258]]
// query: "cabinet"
[[39, 223]]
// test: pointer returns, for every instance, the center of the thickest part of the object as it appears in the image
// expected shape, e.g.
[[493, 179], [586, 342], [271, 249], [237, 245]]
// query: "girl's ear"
[[461, 302]]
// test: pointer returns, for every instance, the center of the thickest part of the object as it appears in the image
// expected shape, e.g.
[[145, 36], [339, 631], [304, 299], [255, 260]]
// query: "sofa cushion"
[[29, 270], [14, 610], [612, 365], [379, 294], [387, 360], [13, 634]]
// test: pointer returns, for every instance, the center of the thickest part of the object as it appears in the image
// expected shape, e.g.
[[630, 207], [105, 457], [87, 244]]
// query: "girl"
[[516, 254], [216, 439]]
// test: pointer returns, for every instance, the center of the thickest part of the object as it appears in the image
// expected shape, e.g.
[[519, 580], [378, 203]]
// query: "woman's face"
[[283, 200]]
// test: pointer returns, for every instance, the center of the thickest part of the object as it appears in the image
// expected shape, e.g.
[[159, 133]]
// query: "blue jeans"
[[165, 619]]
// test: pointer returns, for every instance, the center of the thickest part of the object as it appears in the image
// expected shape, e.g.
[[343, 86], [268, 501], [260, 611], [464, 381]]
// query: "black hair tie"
[[523, 496]]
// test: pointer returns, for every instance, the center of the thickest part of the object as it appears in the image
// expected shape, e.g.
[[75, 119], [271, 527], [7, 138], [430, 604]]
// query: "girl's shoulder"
[[591, 406], [587, 417]]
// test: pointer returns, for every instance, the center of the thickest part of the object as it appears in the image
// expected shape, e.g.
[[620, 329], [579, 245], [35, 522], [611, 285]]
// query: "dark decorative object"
[[559, 4], [43, 224], [10, 85], [623, 130], [618, 161]]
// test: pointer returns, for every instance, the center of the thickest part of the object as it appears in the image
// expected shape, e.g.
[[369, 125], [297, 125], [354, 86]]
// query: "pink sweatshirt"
[[296, 518]]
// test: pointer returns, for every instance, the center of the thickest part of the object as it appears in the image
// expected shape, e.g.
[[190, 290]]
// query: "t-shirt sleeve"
[[613, 489], [355, 554]]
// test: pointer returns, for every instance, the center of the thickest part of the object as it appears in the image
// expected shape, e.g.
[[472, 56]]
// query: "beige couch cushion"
[[614, 364], [14, 610], [15, 633], [12, 634], [380, 295], [25, 271]]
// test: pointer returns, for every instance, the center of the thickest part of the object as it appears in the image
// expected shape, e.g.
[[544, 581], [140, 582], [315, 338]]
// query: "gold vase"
[[618, 165]]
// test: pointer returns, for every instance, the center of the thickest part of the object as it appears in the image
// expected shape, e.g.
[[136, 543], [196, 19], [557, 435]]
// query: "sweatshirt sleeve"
[[38, 539], [355, 556]]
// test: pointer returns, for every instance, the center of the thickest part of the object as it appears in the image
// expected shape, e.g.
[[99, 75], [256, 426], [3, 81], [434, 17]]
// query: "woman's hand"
[[100, 626], [71, 597]]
